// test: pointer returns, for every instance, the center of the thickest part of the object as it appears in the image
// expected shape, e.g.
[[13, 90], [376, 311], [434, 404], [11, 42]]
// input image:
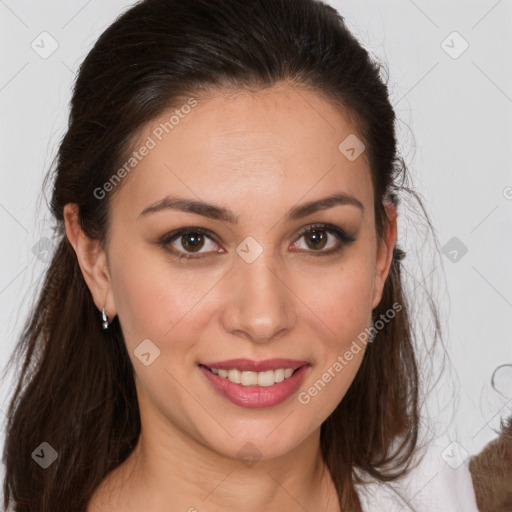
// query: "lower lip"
[[256, 396]]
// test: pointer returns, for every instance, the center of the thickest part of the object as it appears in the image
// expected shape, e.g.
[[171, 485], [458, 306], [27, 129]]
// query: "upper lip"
[[255, 366]]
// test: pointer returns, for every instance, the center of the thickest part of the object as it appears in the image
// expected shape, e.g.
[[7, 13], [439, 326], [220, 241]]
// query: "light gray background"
[[455, 132]]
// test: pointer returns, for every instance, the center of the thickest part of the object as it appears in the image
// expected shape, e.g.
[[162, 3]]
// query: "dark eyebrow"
[[219, 213], [297, 212]]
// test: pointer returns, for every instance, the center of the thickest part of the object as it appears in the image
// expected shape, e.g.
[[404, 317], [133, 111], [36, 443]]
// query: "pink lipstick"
[[249, 383]]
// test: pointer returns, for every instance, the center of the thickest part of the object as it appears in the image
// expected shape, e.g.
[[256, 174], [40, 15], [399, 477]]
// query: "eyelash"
[[339, 233]]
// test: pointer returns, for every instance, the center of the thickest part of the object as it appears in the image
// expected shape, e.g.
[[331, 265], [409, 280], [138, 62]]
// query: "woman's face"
[[255, 287]]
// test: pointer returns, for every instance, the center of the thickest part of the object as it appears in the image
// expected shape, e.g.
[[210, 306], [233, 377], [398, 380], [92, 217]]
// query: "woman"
[[222, 326]]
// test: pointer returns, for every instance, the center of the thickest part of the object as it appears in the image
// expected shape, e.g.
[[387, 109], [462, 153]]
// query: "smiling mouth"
[[256, 384], [266, 378]]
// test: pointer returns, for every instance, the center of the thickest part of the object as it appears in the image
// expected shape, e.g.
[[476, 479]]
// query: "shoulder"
[[440, 482]]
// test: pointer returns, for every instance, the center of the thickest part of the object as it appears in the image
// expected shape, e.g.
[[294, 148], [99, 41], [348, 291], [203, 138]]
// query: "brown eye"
[[187, 242], [323, 236], [192, 241], [316, 239]]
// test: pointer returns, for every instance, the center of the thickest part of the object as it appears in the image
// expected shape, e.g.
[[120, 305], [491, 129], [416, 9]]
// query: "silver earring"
[[104, 320]]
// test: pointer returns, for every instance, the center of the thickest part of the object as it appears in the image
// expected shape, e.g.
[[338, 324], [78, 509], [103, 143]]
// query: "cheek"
[[340, 299], [339, 306], [153, 296]]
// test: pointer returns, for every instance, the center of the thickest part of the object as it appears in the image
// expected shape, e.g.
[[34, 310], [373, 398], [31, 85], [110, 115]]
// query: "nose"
[[260, 304]]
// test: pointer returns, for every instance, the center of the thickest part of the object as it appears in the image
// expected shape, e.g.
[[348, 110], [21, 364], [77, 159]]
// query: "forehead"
[[241, 148]]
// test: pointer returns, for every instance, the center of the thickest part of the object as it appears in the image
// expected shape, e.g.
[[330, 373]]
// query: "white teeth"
[[247, 378], [279, 375], [266, 378], [235, 376]]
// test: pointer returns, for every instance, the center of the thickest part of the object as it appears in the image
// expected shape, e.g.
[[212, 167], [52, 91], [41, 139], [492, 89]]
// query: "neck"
[[169, 470]]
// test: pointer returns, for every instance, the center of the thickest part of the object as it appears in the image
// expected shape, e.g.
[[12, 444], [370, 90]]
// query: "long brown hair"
[[75, 390]]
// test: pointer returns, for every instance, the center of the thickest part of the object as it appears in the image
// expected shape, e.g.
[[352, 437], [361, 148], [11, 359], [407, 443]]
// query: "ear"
[[385, 248], [92, 260]]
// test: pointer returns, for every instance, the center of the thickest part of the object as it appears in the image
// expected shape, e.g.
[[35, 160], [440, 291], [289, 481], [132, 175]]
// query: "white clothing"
[[440, 483]]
